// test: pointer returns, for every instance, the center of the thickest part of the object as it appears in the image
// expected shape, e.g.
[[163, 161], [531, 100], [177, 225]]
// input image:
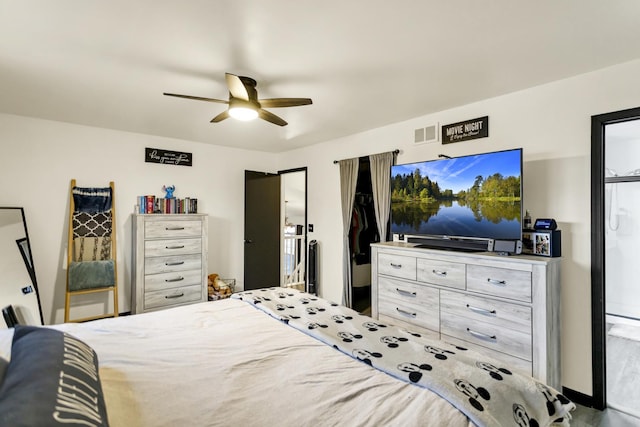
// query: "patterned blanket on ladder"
[[485, 390]]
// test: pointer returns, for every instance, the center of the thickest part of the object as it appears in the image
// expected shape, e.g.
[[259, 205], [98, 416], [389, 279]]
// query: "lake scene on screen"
[[470, 196]]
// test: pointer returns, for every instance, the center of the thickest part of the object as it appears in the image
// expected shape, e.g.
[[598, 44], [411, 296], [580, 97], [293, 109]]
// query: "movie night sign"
[[464, 131]]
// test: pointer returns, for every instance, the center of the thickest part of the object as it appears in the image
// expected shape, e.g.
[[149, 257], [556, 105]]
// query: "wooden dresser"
[[169, 261], [504, 306]]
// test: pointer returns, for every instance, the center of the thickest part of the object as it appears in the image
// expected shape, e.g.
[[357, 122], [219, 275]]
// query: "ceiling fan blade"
[[236, 87], [197, 98], [270, 117], [284, 102], [220, 117]]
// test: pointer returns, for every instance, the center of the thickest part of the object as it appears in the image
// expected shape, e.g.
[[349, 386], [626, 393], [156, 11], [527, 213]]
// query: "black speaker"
[[312, 282], [10, 317]]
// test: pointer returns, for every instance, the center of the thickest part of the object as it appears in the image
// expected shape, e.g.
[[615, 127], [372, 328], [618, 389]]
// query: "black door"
[[261, 230]]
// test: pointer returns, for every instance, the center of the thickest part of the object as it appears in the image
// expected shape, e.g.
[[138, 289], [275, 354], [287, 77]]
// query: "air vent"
[[430, 133], [426, 134]]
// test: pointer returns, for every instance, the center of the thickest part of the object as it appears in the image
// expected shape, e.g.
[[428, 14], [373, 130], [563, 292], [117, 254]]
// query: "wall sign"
[[158, 155], [464, 131]]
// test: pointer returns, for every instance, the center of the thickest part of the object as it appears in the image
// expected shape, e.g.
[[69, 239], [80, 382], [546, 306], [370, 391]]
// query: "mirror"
[[18, 288], [294, 225]]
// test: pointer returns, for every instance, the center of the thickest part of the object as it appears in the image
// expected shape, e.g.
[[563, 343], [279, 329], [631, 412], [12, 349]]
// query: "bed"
[[264, 358]]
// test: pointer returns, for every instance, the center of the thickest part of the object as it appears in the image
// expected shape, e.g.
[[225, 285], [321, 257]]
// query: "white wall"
[[552, 124], [41, 157]]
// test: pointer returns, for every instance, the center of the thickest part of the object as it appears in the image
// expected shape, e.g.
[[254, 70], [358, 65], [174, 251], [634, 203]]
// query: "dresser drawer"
[[172, 247], [411, 293], [397, 266], [170, 229], [169, 264], [513, 284], [176, 296], [502, 360], [499, 313], [443, 273], [162, 281], [487, 335], [425, 315]]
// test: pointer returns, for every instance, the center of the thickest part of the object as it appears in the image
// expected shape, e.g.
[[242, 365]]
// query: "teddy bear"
[[217, 288]]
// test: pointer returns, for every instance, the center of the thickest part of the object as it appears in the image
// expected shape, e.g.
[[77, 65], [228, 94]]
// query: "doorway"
[[275, 223], [293, 226], [615, 230]]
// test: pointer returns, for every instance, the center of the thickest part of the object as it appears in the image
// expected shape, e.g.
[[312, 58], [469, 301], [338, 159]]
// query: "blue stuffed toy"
[[170, 189]]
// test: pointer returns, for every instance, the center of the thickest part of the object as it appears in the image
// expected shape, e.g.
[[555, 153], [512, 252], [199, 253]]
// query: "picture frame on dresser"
[[170, 255], [545, 243]]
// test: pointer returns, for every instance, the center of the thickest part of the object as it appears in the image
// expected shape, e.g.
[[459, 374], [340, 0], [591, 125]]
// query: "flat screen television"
[[461, 202]]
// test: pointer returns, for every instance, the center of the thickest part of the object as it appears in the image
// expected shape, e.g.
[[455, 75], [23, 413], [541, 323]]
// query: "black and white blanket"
[[487, 392]]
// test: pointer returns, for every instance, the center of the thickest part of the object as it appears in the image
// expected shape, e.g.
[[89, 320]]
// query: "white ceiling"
[[365, 63]]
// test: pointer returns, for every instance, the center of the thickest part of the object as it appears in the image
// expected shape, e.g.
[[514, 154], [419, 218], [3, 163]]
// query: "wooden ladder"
[[70, 259]]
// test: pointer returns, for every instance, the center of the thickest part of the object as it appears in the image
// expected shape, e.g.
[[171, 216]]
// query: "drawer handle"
[[395, 265], [174, 263], [497, 282], [177, 279], [181, 294], [407, 293], [439, 273], [175, 247], [406, 313], [481, 310], [481, 335], [174, 228]]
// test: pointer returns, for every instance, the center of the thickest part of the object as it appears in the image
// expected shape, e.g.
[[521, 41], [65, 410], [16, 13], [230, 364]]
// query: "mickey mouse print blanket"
[[487, 392]]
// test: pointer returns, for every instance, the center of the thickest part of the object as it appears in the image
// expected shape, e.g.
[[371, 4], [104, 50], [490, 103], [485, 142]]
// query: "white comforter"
[[225, 363]]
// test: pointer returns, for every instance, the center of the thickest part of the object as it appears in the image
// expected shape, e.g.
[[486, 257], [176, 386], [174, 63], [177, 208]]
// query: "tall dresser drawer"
[[400, 266], [443, 273], [169, 297], [155, 282], [172, 247], [513, 284], [169, 229], [509, 341], [499, 313], [407, 292], [168, 264]]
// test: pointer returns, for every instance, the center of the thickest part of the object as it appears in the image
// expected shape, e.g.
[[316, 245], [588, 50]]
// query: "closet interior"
[[364, 231]]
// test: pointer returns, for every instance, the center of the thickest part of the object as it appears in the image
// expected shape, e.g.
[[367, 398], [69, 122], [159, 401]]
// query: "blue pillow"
[[52, 379]]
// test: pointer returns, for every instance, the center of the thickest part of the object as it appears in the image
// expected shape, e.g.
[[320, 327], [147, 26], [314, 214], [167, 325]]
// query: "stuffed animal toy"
[[211, 280], [217, 288], [169, 189]]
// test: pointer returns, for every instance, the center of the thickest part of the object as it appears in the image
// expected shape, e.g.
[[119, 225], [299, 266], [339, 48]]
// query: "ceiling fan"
[[244, 103]]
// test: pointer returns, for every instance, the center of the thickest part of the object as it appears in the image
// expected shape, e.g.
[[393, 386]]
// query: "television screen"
[[477, 196]]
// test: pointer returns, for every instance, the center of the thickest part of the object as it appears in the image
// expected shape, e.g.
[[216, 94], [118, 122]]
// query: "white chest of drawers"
[[169, 261], [506, 307]]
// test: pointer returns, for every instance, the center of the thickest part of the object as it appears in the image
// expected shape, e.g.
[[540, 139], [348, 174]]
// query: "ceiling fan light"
[[243, 113]]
